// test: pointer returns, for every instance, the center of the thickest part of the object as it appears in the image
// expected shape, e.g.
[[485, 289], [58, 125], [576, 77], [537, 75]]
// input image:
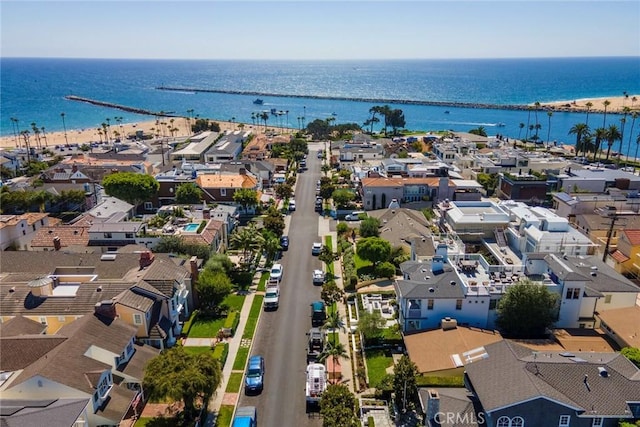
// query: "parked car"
[[275, 275], [318, 313], [246, 416], [284, 243], [316, 248], [271, 297], [318, 277], [292, 205], [354, 216], [254, 378]]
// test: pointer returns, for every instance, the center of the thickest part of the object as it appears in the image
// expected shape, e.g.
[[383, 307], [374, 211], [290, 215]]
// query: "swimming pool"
[[191, 228]]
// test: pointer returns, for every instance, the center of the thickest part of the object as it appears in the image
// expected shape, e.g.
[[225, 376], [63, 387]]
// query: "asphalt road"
[[281, 335]]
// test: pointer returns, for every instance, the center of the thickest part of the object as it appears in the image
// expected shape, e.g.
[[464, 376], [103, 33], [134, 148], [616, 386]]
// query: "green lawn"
[[206, 327], [362, 266], [234, 301], [262, 285], [155, 422], [328, 241], [224, 416], [197, 350], [234, 383], [254, 314], [241, 359], [377, 363]]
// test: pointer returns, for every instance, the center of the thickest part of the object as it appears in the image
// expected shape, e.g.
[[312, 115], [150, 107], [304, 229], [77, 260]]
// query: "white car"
[[271, 297], [354, 216], [292, 205], [275, 275], [318, 277], [316, 248]]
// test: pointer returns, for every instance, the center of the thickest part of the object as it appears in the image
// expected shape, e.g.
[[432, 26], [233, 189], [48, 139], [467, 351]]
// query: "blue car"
[[254, 379]]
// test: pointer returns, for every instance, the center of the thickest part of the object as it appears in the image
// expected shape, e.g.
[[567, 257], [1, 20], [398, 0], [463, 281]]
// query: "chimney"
[[206, 213], [106, 308], [193, 266], [437, 264], [449, 324], [74, 168], [146, 258], [433, 404], [56, 243], [242, 171]]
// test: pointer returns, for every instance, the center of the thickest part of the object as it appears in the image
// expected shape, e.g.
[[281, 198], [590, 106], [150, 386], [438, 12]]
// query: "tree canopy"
[[284, 191], [371, 325], [373, 249], [176, 374], [633, 354], [188, 193], [319, 129], [131, 187], [274, 221], [527, 310], [331, 292], [342, 197], [213, 287], [338, 407], [404, 382], [370, 227], [246, 197]]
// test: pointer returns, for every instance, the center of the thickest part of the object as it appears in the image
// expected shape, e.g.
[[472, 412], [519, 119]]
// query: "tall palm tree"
[[520, 127], [271, 246], [36, 132], [334, 322], [589, 104], [635, 156], [625, 112], [634, 116], [25, 136], [16, 130], [549, 115], [579, 130], [335, 351], [606, 103], [613, 134], [600, 135], [588, 144], [537, 105], [526, 136], [264, 116], [64, 126], [44, 136]]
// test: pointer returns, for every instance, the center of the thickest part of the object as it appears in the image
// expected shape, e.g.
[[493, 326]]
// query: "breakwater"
[[568, 107], [121, 107]]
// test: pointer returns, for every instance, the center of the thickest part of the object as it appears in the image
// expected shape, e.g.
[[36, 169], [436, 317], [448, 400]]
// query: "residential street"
[[281, 335]]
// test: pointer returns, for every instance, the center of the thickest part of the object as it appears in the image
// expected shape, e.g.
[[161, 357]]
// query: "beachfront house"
[[227, 148]]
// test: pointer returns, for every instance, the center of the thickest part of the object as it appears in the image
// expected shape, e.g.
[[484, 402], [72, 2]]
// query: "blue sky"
[[309, 29]]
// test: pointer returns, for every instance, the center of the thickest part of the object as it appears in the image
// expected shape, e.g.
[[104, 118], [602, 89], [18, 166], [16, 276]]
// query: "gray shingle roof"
[[430, 289], [524, 376], [20, 325], [20, 352], [599, 277], [455, 401], [135, 300], [31, 413]]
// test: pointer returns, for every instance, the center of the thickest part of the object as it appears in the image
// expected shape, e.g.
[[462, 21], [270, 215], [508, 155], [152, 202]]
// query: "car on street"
[[271, 297], [292, 205], [318, 277], [284, 243], [254, 378], [316, 248], [276, 272]]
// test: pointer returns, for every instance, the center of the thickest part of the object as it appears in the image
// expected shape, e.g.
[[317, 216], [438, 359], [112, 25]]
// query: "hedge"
[[231, 322], [221, 352]]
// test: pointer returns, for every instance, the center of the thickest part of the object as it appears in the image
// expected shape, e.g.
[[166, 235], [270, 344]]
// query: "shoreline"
[[180, 123]]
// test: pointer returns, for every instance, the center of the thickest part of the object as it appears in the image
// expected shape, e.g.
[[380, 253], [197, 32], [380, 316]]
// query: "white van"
[[354, 216]]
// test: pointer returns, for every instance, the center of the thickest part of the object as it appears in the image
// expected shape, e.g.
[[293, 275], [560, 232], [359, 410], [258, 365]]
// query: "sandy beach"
[[81, 136], [616, 104]]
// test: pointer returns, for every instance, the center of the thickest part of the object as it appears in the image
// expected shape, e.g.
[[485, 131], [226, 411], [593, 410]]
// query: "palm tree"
[[634, 116], [249, 240], [526, 136], [635, 157], [64, 126], [335, 351], [36, 132], [25, 136], [549, 115], [271, 246], [633, 100], [264, 116], [16, 130], [606, 103], [589, 104], [600, 135], [520, 126], [44, 136], [588, 144], [579, 130], [334, 322], [625, 111], [537, 105], [613, 134]]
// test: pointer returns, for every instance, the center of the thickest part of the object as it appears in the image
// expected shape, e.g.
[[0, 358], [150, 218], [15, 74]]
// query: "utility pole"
[[612, 214]]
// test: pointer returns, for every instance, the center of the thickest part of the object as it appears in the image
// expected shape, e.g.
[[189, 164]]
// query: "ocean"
[[33, 91]]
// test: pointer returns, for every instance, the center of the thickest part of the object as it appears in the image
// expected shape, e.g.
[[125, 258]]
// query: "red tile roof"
[[620, 257], [633, 236]]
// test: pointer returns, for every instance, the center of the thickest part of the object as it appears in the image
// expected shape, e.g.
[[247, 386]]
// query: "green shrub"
[[220, 352], [342, 227], [231, 322], [187, 325]]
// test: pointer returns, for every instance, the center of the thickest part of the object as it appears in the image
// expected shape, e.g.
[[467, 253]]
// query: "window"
[[607, 299], [517, 422], [137, 319], [492, 304], [430, 304], [564, 421], [597, 422], [503, 422], [104, 386], [415, 304], [107, 235], [573, 293], [148, 206], [458, 304], [223, 191], [128, 235]]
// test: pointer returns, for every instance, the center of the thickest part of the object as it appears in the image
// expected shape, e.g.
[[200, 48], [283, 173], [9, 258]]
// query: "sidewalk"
[[324, 229]]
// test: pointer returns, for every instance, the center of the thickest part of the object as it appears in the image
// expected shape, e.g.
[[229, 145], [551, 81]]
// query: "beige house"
[[18, 230]]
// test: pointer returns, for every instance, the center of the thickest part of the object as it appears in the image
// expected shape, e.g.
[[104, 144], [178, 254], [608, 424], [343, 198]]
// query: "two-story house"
[[625, 258], [94, 358], [219, 188], [19, 230]]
